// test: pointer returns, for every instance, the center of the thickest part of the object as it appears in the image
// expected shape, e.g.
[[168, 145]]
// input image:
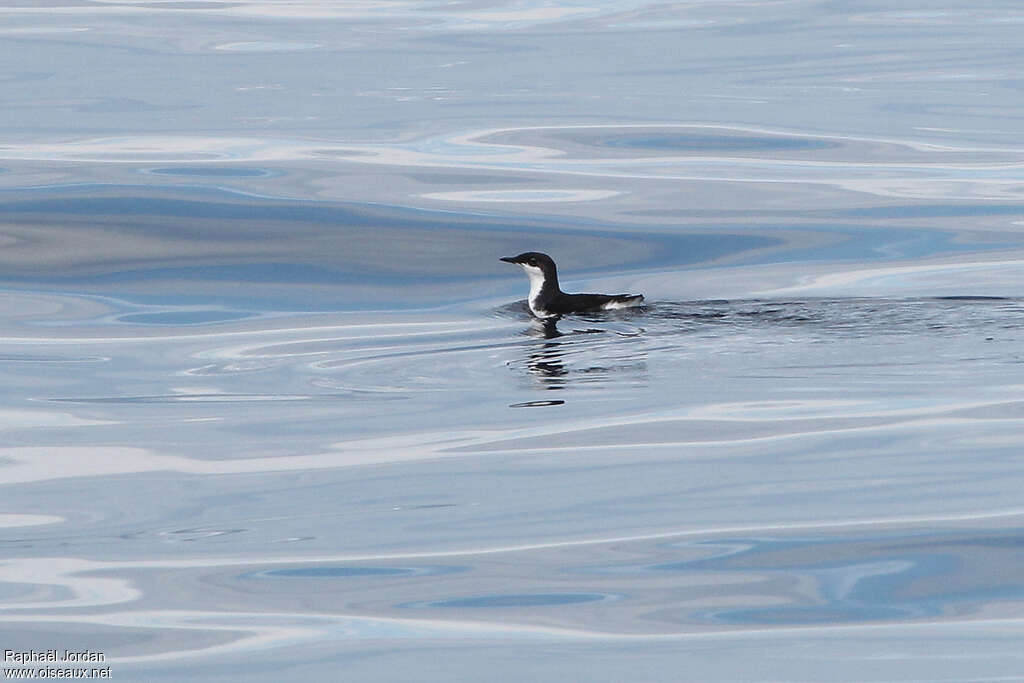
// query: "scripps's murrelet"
[[546, 300]]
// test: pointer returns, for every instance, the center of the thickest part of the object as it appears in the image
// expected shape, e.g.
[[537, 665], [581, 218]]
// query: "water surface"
[[273, 408]]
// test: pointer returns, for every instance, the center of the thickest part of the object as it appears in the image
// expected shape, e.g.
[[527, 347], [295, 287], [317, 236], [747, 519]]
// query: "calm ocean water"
[[273, 410]]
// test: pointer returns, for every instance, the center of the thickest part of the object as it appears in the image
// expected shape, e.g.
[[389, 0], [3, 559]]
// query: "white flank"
[[626, 303]]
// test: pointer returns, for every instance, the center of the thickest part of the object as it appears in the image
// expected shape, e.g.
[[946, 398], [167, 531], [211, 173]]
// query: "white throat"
[[536, 276]]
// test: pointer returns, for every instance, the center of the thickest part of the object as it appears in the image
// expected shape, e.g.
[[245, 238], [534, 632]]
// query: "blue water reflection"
[[358, 256], [853, 579], [354, 572], [182, 317], [212, 171], [368, 257], [934, 211], [526, 600], [707, 143]]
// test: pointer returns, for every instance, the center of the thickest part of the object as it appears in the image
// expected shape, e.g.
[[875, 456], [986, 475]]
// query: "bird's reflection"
[[547, 364], [546, 329]]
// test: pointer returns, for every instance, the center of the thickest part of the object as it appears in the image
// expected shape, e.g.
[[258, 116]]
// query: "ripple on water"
[[203, 398], [705, 142], [842, 578], [201, 317], [267, 46], [212, 171], [474, 359], [43, 358], [522, 196], [841, 317], [345, 572], [514, 600]]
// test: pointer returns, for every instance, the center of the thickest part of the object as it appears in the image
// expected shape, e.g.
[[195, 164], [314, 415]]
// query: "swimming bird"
[[546, 300]]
